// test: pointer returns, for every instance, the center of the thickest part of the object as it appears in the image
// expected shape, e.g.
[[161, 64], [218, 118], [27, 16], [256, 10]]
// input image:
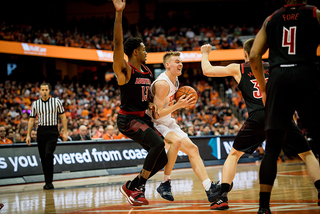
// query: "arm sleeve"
[[60, 107], [33, 113]]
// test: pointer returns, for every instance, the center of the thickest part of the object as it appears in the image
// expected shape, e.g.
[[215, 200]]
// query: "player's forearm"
[[118, 33], [168, 110], [257, 69], [206, 65]]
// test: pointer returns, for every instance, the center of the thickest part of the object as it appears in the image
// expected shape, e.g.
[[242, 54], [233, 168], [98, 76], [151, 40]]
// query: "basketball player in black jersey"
[[292, 35], [252, 134], [134, 80]]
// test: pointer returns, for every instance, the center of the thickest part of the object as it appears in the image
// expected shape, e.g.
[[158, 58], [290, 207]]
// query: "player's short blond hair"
[[248, 45], [169, 54]]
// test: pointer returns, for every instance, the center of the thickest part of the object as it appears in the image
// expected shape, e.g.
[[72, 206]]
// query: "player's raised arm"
[[120, 66], [217, 71]]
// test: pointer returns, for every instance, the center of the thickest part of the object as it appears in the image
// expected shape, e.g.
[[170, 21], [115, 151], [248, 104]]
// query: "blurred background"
[[89, 90]]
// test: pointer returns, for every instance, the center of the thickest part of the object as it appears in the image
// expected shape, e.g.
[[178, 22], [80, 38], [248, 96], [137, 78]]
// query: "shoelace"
[[217, 182], [167, 188], [139, 193]]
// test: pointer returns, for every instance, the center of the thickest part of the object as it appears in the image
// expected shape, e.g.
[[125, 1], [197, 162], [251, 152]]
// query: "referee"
[[47, 110]]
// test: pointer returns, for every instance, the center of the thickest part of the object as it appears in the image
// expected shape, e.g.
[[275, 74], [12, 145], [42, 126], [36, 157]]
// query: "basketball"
[[187, 90]]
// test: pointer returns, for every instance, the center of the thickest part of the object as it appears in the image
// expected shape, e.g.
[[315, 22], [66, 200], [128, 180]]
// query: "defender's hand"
[[154, 108], [119, 5], [205, 49]]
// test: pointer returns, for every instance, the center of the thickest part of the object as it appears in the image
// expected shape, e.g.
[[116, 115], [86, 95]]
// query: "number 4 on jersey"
[[289, 39]]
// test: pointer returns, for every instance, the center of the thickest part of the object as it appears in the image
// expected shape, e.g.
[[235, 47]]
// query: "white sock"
[[165, 178], [206, 184]]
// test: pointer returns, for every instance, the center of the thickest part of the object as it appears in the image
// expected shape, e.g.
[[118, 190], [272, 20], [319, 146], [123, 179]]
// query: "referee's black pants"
[[47, 137]]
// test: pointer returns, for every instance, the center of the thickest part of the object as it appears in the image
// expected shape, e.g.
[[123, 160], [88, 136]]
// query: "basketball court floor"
[[293, 193]]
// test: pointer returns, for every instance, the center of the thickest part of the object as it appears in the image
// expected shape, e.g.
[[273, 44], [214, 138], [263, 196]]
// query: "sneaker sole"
[[133, 203], [168, 199], [222, 206]]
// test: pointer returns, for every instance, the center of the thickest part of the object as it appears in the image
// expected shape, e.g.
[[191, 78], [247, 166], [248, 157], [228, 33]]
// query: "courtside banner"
[[53, 51], [19, 160]]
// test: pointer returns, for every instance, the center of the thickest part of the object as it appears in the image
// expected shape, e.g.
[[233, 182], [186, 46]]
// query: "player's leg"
[[230, 166], [268, 167], [250, 136], [141, 130], [174, 141], [192, 150], [279, 109], [228, 173]]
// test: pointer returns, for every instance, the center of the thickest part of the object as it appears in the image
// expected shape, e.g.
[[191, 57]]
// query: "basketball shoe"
[[165, 190], [221, 203], [213, 192], [264, 211], [48, 186], [134, 197]]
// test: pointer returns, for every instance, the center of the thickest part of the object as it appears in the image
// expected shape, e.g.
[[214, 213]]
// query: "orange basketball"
[[187, 90]]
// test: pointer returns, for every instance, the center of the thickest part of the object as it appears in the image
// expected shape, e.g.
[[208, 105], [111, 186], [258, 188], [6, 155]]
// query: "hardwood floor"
[[293, 193]]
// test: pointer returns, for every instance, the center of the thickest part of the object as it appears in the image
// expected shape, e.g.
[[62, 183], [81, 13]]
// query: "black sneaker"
[[264, 211], [213, 192], [318, 198], [221, 203], [48, 186], [165, 190]]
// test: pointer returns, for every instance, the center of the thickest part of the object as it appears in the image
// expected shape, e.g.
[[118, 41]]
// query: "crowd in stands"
[[96, 33], [92, 111]]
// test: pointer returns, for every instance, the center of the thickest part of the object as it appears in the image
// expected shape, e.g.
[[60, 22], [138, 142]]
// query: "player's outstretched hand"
[[119, 5]]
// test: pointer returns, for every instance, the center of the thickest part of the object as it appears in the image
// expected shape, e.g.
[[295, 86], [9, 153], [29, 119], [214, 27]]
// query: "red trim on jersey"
[[270, 17], [145, 67], [242, 69], [137, 113], [315, 12], [294, 5], [138, 69]]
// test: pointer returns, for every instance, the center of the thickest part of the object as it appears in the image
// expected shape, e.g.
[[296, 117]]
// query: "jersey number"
[[257, 94], [145, 90], [289, 39]]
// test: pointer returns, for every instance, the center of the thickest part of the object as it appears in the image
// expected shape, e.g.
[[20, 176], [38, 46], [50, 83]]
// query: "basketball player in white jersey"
[[162, 92]]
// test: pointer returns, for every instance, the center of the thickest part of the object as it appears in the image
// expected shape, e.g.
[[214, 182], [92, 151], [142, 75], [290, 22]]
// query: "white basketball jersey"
[[170, 99]]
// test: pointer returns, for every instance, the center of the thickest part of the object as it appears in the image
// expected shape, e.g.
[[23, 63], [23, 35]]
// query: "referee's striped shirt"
[[47, 111]]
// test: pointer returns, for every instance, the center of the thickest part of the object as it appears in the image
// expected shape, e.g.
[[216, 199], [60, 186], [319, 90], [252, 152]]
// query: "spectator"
[[206, 130], [191, 131], [17, 138], [60, 138], [74, 133], [99, 133], [109, 135], [10, 135], [33, 135], [3, 139], [23, 133], [82, 134]]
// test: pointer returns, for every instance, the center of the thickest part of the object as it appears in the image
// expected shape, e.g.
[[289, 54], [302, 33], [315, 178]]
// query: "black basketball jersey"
[[134, 94], [293, 34], [249, 87]]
